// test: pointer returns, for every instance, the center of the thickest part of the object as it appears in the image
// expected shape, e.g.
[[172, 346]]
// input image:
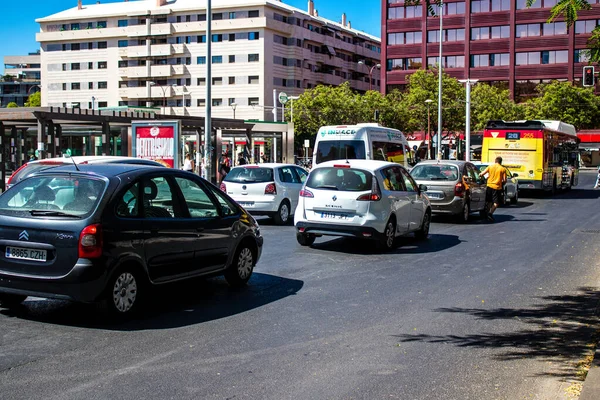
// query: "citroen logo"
[[334, 198], [24, 235]]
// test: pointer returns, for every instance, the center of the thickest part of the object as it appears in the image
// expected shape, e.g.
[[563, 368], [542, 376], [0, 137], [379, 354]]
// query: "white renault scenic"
[[368, 199]]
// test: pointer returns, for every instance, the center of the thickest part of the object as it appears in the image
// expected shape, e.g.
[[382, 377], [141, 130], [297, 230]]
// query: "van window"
[[343, 179], [387, 151], [329, 150]]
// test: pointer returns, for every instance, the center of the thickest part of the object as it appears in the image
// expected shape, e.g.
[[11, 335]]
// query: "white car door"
[[301, 176], [291, 184], [417, 206], [394, 192]]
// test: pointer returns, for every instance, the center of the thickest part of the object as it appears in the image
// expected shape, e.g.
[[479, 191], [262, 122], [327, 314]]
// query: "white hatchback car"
[[266, 189], [362, 198]]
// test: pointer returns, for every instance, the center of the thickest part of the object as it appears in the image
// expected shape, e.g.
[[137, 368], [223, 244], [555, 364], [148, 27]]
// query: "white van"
[[362, 141]]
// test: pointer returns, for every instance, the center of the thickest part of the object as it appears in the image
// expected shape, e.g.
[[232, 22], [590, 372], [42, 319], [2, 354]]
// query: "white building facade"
[[153, 53]]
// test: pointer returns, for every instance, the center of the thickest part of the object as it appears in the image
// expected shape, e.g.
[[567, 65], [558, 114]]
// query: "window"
[[201, 102], [217, 16], [253, 80], [201, 60], [253, 58], [102, 45], [75, 86], [253, 35], [102, 85], [102, 64], [101, 24], [157, 198], [75, 66], [91, 86], [178, 40], [555, 28], [232, 80], [201, 17], [123, 43], [500, 32], [188, 39], [231, 37], [197, 199], [75, 27], [231, 100], [188, 18], [231, 59], [64, 86], [582, 27], [217, 59], [580, 56], [75, 46], [91, 65], [253, 101], [217, 81], [201, 39], [217, 102], [232, 15], [217, 38], [253, 14], [122, 63], [122, 23], [179, 18]]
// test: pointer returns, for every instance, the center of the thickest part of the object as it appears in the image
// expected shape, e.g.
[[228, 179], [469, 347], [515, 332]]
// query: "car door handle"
[[199, 230]]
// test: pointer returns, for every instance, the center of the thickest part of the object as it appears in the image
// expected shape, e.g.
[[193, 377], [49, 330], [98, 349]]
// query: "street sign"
[[306, 143], [283, 98]]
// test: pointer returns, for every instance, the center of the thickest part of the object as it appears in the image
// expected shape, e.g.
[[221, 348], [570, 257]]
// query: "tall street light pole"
[[208, 104], [233, 107], [439, 134], [428, 102], [163, 88], [469, 82], [361, 62]]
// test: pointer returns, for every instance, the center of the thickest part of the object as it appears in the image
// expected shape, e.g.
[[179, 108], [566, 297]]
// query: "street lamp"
[[361, 62], [469, 82], [428, 102], [233, 107], [164, 92]]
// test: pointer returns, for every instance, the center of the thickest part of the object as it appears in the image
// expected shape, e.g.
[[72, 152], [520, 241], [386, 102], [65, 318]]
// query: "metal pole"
[[428, 133], [275, 105], [208, 104], [468, 125], [439, 134]]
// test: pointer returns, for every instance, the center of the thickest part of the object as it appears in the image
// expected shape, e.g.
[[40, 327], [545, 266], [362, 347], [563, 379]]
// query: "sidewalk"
[[591, 385]]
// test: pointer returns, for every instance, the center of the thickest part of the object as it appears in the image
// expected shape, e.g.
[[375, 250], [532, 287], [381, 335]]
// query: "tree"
[[8, 78], [35, 100], [593, 46], [12, 104], [565, 102], [491, 102]]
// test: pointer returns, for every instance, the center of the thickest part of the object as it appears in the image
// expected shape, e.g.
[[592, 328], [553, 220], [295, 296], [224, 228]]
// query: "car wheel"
[[8, 300], [389, 236], [283, 213], [305, 239], [423, 232], [515, 198], [123, 294], [465, 213], [240, 270]]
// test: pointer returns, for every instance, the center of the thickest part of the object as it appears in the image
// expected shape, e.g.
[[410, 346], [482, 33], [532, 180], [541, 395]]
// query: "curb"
[[591, 385]]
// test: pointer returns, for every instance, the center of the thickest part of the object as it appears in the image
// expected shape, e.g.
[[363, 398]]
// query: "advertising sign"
[[156, 140]]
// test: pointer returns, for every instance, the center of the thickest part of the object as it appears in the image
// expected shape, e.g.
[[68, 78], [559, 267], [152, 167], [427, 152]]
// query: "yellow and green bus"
[[543, 154]]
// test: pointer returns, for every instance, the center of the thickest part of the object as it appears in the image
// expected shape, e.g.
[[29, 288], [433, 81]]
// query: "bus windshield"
[[328, 150]]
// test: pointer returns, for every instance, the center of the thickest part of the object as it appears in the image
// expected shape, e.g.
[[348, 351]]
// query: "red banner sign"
[[156, 143]]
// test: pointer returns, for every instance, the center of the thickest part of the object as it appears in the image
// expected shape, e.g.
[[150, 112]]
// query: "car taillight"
[[459, 189], [223, 187], [271, 189], [375, 194], [306, 193], [15, 173], [90, 241]]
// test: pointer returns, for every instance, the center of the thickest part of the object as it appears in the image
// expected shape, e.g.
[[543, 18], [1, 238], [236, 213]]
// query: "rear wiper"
[[332, 187], [52, 213]]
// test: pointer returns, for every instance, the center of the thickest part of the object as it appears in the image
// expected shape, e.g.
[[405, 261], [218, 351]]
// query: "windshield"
[[435, 172], [249, 175], [344, 179], [329, 150], [73, 196]]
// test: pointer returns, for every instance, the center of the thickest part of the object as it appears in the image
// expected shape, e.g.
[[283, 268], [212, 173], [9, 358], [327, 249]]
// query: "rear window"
[[53, 195], [435, 172], [329, 150], [30, 169], [344, 179], [250, 175]]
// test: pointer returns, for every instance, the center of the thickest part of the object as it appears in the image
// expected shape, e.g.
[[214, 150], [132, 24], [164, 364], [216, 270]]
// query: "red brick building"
[[498, 41]]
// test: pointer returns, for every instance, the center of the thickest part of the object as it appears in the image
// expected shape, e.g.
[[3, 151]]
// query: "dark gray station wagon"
[[109, 232]]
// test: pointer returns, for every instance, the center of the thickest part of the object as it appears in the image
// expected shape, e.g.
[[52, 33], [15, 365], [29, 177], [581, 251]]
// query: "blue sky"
[[18, 27]]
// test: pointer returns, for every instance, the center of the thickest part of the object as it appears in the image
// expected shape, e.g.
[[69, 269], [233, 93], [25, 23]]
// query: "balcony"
[[178, 49], [155, 30], [155, 92], [178, 70], [161, 50]]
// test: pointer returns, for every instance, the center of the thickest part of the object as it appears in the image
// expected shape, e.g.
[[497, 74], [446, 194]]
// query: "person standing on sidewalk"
[[495, 186], [597, 184]]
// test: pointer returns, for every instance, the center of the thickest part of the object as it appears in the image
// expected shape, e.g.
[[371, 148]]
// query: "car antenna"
[[75, 164]]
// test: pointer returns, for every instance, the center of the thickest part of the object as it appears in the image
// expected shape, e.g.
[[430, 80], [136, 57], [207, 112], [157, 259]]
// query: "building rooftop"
[[145, 7]]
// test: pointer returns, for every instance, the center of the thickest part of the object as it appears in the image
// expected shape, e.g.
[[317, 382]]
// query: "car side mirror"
[[225, 210], [422, 188]]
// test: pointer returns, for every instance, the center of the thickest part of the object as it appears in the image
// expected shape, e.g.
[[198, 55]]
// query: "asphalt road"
[[479, 311]]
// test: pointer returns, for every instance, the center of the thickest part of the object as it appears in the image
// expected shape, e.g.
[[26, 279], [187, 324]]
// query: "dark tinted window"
[[345, 179], [197, 199], [393, 179], [286, 174], [250, 175], [435, 172], [31, 169], [128, 206], [340, 149]]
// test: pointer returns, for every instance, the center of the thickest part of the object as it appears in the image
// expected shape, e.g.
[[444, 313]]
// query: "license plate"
[[327, 215], [25, 254], [435, 195], [246, 203]]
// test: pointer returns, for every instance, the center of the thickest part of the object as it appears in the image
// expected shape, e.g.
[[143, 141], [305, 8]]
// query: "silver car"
[[511, 188], [453, 187]]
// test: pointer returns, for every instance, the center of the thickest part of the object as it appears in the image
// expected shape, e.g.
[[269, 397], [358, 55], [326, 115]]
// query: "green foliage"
[[34, 100], [490, 102], [565, 102], [8, 78], [593, 45], [12, 104]]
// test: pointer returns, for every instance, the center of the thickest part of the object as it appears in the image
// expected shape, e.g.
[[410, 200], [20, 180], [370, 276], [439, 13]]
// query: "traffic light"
[[588, 76]]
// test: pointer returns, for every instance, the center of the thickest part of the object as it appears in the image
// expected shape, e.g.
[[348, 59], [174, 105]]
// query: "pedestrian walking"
[[188, 164], [224, 165], [495, 186], [241, 159], [597, 184]]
